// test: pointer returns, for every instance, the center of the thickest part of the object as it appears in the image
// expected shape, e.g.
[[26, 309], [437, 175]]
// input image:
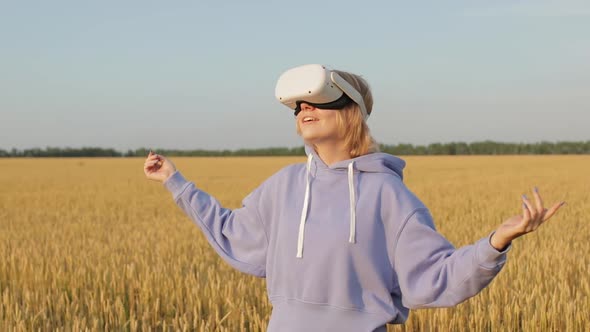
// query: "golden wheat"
[[90, 244]]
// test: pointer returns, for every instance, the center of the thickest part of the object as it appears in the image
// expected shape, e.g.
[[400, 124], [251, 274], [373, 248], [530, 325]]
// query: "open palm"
[[533, 216]]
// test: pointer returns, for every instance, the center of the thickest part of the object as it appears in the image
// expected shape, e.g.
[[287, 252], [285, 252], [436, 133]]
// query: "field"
[[91, 244]]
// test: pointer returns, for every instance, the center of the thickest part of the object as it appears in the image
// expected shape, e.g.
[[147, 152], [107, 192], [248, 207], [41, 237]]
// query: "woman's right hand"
[[158, 168], [533, 216]]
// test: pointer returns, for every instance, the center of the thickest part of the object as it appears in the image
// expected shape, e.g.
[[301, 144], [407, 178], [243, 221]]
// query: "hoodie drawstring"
[[304, 211], [352, 238]]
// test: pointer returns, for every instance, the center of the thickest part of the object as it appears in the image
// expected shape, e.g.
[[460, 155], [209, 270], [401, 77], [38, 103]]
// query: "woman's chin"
[[310, 138]]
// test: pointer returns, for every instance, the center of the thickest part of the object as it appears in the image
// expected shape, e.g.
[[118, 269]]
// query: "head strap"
[[350, 91]]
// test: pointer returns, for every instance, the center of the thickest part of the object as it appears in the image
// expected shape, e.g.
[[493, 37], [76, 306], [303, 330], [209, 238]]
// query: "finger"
[[150, 163], [526, 216], [538, 200], [541, 219], [154, 157], [550, 212], [532, 211], [152, 169], [540, 209]]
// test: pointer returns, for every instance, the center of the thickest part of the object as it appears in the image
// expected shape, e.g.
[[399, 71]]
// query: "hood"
[[373, 162], [377, 162]]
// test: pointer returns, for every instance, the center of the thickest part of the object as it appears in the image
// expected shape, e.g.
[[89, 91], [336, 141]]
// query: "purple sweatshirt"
[[345, 247]]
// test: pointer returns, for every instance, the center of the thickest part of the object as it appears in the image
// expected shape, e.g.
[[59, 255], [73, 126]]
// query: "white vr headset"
[[318, 86]]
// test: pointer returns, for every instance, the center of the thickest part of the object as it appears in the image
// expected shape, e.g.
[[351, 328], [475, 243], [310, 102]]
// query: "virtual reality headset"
[[318, 86]]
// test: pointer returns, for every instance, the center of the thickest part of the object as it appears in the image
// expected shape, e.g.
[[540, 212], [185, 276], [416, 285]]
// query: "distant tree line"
[[453, 148], [489, 148]]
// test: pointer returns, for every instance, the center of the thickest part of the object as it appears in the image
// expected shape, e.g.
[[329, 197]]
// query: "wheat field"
[[91, 244]]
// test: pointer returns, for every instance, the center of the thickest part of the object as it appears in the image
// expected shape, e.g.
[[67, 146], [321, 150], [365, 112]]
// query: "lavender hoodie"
[[345, 247]]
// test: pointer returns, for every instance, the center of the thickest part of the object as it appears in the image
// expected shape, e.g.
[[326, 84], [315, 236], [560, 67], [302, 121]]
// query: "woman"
[[343, 244]]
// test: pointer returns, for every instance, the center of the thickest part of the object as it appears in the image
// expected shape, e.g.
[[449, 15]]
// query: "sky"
[[201, 74]]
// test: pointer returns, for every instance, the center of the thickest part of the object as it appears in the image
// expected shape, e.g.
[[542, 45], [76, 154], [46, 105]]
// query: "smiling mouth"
[[309, 119]]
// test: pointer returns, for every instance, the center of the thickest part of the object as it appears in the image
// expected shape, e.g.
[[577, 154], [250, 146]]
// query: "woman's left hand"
[[533, 216]]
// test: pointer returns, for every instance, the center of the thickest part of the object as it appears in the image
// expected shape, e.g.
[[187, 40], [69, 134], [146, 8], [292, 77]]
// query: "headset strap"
[[350, 91]]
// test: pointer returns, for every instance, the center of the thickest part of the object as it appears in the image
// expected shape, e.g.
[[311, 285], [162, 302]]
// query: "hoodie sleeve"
[[238, 235], [432, 273]]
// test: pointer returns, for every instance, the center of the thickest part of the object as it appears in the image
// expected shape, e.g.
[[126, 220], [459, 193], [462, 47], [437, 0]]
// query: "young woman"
[[343, 243]]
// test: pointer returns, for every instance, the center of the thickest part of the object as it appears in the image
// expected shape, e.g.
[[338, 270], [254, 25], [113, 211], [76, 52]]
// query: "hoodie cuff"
[[176, 184], [488, 256]]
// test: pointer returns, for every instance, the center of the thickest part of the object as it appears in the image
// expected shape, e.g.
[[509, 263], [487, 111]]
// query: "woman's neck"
[[331, 153]]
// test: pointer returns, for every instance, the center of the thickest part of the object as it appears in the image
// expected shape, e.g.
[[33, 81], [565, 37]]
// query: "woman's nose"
[[306, 107]]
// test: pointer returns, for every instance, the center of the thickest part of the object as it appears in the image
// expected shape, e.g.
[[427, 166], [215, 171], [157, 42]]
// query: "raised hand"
[[158, 168], [533, 216]]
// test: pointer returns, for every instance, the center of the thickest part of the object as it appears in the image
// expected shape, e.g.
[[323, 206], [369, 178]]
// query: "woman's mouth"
[[309, 119]]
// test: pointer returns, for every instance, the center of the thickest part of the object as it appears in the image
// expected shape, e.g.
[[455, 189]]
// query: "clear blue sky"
[[201, 74]]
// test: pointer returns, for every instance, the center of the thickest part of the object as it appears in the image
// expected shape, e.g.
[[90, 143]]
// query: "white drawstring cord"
[[304, 211], [352, 237]]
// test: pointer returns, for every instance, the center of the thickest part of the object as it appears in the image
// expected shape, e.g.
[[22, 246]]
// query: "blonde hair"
[[355, 131], [352, 128]]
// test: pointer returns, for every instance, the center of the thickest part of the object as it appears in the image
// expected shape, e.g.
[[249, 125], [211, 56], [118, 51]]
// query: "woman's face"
[[316, 125]]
